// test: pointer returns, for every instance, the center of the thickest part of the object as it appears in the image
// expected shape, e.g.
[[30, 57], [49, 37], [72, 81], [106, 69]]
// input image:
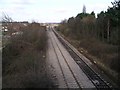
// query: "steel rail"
[[91, 74]]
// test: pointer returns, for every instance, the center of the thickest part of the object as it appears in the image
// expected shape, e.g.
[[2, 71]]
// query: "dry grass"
[[23, 60], [105, 55], [105, 52]]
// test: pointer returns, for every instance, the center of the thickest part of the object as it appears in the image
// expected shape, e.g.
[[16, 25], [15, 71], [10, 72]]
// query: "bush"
[[23, 63]]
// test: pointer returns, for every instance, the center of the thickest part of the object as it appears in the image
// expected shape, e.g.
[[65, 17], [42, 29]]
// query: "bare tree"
[[7, 22], [6, 18]]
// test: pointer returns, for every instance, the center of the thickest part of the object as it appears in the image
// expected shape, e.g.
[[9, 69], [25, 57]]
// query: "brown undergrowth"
[[24, 59]]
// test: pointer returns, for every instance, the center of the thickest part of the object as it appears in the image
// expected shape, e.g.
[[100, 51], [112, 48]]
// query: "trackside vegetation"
[[96, 37], [24, 59]]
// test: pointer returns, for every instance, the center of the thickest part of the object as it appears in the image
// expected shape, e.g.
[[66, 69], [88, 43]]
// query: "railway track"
[[96, 79], [73, 76], [61, 65]]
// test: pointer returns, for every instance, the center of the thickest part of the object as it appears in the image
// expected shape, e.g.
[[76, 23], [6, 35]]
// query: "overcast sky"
[[50, 10]]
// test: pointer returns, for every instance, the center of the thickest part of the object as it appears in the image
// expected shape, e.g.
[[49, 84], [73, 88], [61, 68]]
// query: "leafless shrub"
[[23, 63]]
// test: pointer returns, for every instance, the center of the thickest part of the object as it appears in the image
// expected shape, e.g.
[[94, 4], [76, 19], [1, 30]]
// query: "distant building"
[[12, 27]]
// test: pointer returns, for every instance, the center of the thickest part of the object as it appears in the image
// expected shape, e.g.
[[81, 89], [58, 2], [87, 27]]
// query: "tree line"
[[106, 27]]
